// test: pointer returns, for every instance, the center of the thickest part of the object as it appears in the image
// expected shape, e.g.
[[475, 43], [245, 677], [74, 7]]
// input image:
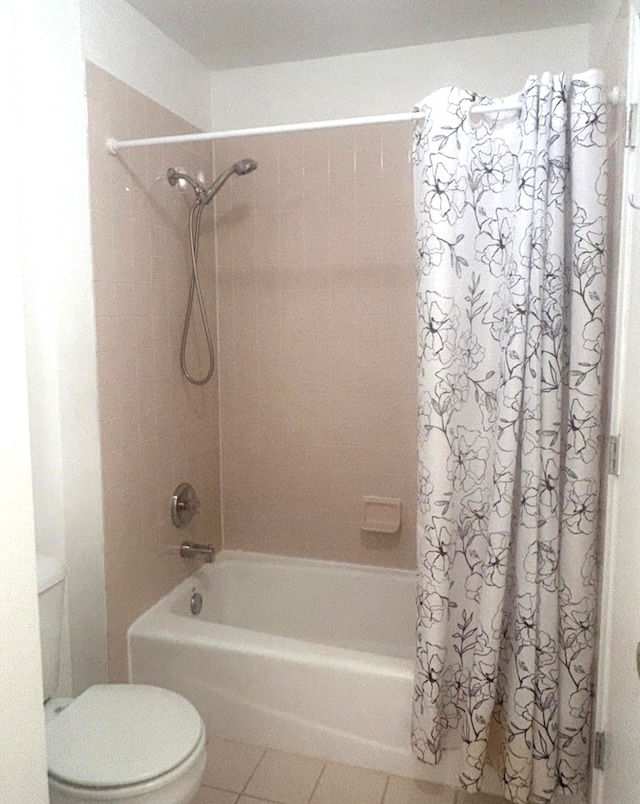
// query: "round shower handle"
[[184, 504]]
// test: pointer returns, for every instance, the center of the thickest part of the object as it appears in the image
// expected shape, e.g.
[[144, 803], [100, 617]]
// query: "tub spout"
[[193, 550]]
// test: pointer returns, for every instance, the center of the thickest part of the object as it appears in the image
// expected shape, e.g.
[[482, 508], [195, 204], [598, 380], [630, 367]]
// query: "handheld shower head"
[[244, 166], [240, 168], [204, 195]]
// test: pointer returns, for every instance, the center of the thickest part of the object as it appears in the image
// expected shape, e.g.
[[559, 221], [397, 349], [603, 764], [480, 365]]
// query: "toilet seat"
[[122, 735], [179, 786]]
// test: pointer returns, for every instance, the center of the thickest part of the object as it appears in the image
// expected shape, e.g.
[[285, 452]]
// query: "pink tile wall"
[[316, 283], [157, 430]]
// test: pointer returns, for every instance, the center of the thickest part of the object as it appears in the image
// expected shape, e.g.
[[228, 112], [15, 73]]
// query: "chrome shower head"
[[240, 168], [244, 166], [204, 195]]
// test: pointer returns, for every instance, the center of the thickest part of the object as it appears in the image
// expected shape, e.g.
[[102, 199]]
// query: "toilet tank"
[[51, 576]]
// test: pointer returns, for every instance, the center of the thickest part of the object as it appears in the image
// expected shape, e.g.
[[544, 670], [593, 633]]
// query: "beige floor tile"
[[478, 798], [209, 795], [286, 778], [249, 800], [408, 791], [342, 784], [230, 764]]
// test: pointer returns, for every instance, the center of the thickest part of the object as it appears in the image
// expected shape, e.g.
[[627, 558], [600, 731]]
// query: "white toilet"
[[128, 743]]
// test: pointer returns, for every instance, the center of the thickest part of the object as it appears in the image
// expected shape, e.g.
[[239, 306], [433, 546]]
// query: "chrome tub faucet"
[[193, 550]]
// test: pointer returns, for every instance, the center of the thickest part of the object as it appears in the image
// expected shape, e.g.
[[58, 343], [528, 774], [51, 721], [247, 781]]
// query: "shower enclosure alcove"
[[312, 405], [312, 313]]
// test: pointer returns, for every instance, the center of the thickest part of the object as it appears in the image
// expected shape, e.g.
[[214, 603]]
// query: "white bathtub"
[[313, 657]]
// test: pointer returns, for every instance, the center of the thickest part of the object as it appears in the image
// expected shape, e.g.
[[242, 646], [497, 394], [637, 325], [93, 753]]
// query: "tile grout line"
[[386, 787], [253, 773], [315, 786]]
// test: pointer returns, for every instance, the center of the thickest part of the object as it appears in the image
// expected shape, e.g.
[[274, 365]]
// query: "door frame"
[[629, 245]]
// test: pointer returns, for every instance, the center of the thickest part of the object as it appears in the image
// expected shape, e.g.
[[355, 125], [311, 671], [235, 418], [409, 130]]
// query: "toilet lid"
[[116, 735]]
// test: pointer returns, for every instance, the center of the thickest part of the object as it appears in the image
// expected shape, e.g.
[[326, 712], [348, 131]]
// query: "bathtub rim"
[[247, 556]]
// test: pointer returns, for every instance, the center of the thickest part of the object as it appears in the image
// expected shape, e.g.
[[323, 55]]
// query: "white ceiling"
[[223, 34]]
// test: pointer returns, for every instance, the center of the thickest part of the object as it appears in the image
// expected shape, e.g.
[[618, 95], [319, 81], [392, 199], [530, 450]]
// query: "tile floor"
[[245, 774]]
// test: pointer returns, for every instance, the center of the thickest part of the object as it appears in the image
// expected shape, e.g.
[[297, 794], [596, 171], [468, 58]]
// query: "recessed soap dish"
[[381, 515]]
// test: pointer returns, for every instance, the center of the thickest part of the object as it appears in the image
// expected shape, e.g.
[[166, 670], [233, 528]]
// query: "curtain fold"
[[510, 213]]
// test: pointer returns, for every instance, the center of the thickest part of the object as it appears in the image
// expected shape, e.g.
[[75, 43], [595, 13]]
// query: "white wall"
[[54, 36], [53, 197], [23, 770], [606, 12], [125, 44], [388, 81]]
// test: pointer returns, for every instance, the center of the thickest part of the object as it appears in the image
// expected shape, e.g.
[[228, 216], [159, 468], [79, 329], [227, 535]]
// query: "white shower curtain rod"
[[114, 146]]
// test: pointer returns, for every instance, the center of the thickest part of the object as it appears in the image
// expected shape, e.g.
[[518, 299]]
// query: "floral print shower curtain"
[[510, 229]]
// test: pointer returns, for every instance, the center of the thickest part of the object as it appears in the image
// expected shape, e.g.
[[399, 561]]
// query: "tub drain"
[[196, 603]]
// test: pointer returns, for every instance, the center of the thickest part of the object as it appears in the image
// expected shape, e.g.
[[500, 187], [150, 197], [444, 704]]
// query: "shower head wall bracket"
[[178, 178]]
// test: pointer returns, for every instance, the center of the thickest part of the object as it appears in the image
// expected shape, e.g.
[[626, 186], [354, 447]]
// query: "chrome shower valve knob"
[[184, 504]]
